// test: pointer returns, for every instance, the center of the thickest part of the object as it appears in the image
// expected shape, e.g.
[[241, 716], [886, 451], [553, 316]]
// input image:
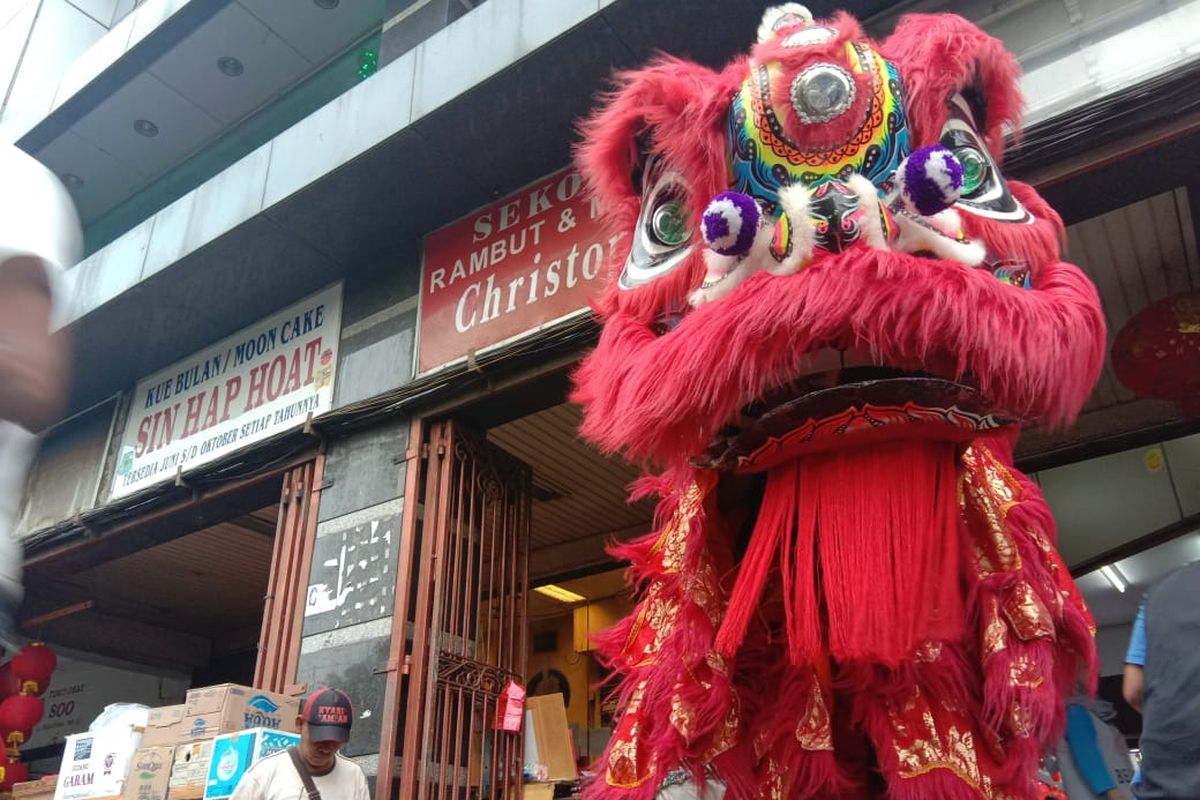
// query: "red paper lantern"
[[6, 763], [19, 715], [12, 771], [1157, 353], [33, 667], [9, 684]]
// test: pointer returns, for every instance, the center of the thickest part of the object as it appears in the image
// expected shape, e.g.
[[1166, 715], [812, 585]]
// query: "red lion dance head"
[[833, 316]]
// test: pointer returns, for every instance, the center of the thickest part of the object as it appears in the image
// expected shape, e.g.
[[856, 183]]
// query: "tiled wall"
[[348, 619]]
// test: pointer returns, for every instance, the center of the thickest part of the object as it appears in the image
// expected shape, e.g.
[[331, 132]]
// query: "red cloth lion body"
[[833, 315]]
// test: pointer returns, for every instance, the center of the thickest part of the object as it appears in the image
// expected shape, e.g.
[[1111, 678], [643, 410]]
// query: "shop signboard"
[[263, 380], [510, 269]]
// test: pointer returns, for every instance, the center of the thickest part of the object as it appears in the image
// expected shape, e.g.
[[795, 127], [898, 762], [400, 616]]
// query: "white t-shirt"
[[275, 778]]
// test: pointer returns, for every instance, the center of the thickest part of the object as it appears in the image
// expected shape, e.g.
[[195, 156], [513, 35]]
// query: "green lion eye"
[[668, 224], [975, 169]]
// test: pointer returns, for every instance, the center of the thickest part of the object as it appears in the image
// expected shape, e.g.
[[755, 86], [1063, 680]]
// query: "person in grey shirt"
[[1094, 760], [1165, 687]]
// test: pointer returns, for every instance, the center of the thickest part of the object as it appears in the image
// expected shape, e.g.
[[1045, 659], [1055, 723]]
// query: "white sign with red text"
[[261, 381]]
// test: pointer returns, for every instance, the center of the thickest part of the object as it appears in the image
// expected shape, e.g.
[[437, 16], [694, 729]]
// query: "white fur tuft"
[[795, 202], [937, 234], [773, 15], [733, 269]]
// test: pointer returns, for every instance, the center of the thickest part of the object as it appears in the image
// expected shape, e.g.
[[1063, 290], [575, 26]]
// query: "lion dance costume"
[[834, 315]]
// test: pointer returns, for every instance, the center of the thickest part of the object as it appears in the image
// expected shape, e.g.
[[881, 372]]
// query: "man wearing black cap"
[[315, 765]]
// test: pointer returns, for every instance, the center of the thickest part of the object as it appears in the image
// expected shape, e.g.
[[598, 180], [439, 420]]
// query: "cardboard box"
[[96, 765], [537, 791], [35, 790], [551, 745], [228, 708], [186, 792], [150, 774], [191, 765], [234, 753], [166, 727]]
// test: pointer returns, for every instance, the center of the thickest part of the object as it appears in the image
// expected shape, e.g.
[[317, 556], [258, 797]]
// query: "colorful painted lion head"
[[821, 233]]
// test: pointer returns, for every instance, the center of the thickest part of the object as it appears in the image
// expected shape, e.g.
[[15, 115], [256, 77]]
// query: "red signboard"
[[509, 269]]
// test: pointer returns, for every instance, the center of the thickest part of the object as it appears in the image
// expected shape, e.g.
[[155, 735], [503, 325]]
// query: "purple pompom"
[[730, 222], [929, 180]]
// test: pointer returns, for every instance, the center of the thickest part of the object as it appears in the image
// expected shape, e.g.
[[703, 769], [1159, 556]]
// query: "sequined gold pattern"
[[1068, 592], [1043, 544], [987, 490], [683, 715], [683, 718], [815, 731], [1020, 721], [929, 652], [627, 768], [657, 612], [1024, 674], [995, 632], [728, 735], [655, 620], [703, 590], [672, 543], [1028, 615], [660, 619], [772, 784], [927, 738]]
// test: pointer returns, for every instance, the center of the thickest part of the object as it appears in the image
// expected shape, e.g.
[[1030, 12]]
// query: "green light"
[[368, 64]]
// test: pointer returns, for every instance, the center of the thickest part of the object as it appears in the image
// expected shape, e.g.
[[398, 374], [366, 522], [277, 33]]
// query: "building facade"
[[336, 278]]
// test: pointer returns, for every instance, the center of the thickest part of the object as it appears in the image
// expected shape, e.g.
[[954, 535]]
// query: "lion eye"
[[668, 223], [985, 192], [662, 239], [976, 171]]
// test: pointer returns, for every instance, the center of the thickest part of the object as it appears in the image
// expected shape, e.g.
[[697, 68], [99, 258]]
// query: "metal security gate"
[[468, 622], [283, 611]]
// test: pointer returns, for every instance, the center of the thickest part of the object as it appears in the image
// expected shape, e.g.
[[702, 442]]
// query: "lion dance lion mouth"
[[833, 317]]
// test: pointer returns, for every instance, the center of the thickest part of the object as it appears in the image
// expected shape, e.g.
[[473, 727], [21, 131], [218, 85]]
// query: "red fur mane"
[[1033, 352], [940, 54]]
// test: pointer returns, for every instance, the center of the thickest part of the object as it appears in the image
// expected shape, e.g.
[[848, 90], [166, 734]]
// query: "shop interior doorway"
[[174, 602], [577, 591], [563, 618]]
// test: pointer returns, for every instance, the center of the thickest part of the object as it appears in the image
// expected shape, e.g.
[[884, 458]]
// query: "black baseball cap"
[[329, 714]]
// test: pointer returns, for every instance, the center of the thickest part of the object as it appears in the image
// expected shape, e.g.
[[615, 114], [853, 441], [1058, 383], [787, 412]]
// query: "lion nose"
[[837, 216]]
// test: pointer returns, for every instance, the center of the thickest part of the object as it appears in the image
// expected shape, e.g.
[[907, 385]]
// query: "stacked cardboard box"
[[190, 770], [149, 775], [97, 765], [214, 710], [35, 790], [188, 731], [234, 753], [171, 757]]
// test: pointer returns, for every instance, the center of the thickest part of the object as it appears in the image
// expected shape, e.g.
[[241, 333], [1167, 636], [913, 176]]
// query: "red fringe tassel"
[[871, 533]]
